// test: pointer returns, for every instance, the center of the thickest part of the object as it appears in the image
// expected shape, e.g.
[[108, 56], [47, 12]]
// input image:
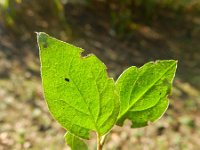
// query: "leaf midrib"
[[91, 115]]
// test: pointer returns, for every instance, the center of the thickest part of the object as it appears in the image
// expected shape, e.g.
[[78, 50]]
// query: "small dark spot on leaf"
[[45, 45], [66, 79], [155, 62]]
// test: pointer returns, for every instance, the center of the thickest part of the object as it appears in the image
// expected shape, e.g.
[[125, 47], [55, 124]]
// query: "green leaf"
[[79, 94], [143, 92], [75, 143]]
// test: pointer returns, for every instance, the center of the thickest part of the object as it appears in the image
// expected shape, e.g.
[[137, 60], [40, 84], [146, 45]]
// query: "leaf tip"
[[42, 39], [41, 36]]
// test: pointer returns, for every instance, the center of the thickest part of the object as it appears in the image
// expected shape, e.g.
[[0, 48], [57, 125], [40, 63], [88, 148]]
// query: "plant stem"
[[99, 145], [103, 139]]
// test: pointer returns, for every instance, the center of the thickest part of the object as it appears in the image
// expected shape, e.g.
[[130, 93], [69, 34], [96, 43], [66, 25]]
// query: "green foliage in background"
[[31, 15], [122, 13], [83, 99]]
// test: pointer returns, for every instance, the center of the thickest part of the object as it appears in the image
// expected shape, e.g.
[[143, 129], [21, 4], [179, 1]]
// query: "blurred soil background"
[[121, 33]]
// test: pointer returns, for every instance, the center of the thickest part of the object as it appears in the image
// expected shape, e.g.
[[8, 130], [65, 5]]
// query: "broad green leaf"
[[79, 94], [74, 142], [143, 92]]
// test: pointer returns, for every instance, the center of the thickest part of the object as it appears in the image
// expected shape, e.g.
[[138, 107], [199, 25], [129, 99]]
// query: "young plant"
[[83, 99]]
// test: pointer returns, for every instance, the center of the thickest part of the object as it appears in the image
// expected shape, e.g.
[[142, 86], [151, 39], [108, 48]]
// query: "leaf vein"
[[145, 91], [91, 115]]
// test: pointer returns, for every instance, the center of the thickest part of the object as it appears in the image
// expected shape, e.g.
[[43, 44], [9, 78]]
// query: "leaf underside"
[[143, 92], [79, 94]]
